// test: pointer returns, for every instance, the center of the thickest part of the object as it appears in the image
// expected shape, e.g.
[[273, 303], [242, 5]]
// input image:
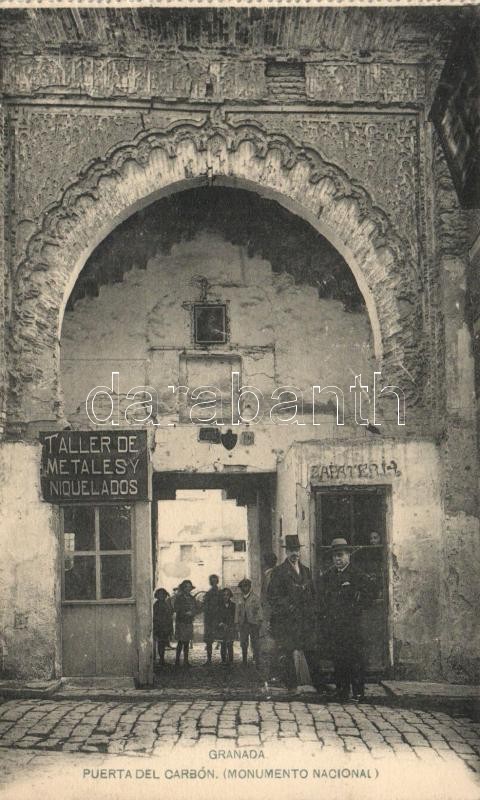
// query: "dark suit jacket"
[[293, 614], [343, 596]]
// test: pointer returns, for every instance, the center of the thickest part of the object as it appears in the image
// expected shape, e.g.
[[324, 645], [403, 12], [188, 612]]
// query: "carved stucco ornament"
[[134, 173]]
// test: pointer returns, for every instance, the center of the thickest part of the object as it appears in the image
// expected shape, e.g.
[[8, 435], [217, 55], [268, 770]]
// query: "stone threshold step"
[[431, 689], [34, 689]]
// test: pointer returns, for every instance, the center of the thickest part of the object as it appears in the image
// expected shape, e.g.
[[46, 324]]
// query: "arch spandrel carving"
[[160, 162]]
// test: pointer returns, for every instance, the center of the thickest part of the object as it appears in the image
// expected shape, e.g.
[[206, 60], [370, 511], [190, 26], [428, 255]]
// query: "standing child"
[[162, 622], [185, 610], [210, 615], [249, 617], [226, 625]]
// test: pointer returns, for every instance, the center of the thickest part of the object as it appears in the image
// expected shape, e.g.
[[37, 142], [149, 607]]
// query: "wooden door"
[[359, 515], [98, 604]]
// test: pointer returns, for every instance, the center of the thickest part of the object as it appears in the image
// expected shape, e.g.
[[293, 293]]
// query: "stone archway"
[[157, 163]]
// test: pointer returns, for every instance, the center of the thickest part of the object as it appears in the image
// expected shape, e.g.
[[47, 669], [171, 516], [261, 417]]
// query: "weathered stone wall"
[[287, 107], [29, 569], [459, 453], [359, 115], [414, 535], [3, 272], [286, 521], [280, 333]]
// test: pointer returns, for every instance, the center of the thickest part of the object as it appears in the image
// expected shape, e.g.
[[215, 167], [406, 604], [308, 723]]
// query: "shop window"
[[80, 522], [115, 528], [97, 553], [240, 546], [69, 547], [357, 515]]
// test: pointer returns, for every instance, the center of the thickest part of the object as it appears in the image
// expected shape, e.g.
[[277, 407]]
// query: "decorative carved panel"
[[171, 78], [379, 150], [350, 83], [112, 184], [52, 145]]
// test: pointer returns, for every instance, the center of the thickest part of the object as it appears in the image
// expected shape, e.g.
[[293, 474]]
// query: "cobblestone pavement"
[[146, 728], [92, 750]]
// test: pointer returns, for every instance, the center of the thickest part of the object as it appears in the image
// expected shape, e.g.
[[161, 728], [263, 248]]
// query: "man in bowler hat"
[[345, 592], [292, 613]]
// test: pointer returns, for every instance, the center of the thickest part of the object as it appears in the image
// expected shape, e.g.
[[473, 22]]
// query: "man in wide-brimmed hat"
[[345, 592], [293, 618]]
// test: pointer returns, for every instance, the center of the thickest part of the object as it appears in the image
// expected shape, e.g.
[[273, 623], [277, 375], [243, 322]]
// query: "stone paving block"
[[288, 726], [401, 747], [392, 737], [353, 744], [348, 731], [440, 744], [372, 738], [287, 715], [4, 726], [462, 748], [208, 722], [247, 730], [416, 739], [12, 715]]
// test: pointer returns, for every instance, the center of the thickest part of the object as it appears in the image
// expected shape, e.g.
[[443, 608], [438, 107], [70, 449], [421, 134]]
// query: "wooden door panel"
[[374, 636], [98, 640], [78, 632], [115, 636]]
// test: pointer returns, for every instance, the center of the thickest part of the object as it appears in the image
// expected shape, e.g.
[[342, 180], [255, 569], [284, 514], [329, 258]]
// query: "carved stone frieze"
[[378, 150], [172, 78], [366, 83], [109, 187]]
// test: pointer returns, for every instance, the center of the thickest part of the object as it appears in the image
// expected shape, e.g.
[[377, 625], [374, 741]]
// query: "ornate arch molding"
[[159, 162]]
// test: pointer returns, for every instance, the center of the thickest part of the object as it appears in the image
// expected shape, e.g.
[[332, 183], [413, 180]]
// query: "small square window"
[[240, 546], [210, 323]]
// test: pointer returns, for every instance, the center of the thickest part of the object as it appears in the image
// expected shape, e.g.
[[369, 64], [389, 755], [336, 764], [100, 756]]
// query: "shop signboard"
[[94, 467]]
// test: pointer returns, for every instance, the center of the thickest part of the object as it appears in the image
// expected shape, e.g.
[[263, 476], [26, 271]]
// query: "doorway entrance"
[[359, 514], [98, 590], [202, 525]]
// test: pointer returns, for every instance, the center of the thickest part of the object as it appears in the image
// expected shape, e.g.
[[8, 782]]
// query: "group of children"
[[223, 619]]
